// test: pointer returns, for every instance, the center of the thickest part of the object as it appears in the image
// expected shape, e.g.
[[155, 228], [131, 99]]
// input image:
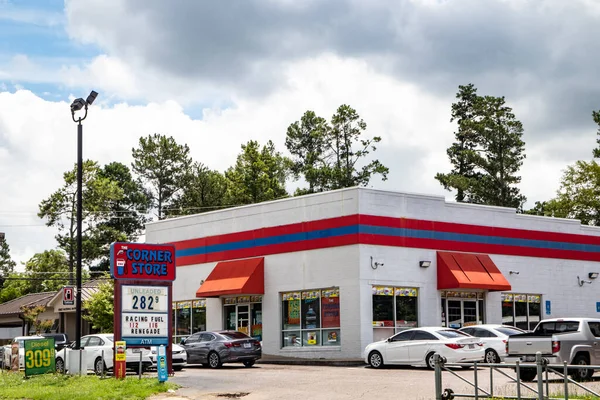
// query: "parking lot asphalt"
[[282, 382]]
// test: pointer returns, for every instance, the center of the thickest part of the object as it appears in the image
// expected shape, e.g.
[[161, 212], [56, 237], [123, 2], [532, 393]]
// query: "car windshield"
[[509, 331], [110, 338], [450, 334], [235, 335]]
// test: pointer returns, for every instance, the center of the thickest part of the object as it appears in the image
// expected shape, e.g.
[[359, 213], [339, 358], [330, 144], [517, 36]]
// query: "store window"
[[521, 310], [188, 317], [394, 309], [311, 318]]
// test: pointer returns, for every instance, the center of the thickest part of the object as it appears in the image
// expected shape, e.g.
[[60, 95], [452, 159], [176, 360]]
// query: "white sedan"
[[101, 346], [179, 356], [418, 345], [494, 339]]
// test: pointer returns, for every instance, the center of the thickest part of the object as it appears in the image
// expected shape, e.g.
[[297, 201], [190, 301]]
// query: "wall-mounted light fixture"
[[424, 264], [513, 272], [593, 275], [581, 281], [375, 264]]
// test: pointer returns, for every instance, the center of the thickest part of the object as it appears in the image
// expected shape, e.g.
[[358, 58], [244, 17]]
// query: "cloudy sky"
[[215, 74]]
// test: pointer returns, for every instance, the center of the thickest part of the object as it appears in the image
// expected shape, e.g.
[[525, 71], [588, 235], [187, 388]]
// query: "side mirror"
[[389, 339], [182, 341]]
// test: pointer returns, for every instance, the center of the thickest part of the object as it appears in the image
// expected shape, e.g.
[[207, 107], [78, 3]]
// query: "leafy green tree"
[[578, 196], [125, 216], [259, 174], [31, 316], [343, 155], [7, 265], [44, 272], [100, 307], [488, 152], [16, 285], [335, 155], [47, 271], [203, 190], [462, 152], [305, 140], [99, 194], [162, 163]]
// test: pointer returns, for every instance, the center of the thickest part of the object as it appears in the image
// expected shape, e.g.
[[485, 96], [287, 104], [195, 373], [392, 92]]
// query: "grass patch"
[[67, 387]]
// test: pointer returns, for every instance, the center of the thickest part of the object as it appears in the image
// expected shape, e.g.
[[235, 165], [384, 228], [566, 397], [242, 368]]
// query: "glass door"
[[454, 314], [469, 312], [457, 313], [243, 318]]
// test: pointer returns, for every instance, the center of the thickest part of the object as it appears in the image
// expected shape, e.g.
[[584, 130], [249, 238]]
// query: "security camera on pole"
[[77, 105]]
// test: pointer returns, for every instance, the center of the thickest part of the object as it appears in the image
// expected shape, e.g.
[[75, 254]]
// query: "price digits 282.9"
[[144, 303]]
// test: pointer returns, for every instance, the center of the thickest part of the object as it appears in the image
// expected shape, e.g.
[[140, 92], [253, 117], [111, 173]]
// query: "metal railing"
[[541, 392]]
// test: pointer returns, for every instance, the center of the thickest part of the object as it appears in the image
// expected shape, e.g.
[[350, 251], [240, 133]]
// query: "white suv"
[[8, 350], [94, 345]]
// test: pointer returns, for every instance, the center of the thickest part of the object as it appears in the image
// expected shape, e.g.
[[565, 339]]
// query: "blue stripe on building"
[[387, 231]]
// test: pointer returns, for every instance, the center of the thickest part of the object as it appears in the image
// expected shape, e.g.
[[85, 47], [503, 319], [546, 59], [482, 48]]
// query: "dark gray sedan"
[[212, 349]]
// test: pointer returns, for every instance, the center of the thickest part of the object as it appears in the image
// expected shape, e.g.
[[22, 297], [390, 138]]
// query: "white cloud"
[[38, 137]]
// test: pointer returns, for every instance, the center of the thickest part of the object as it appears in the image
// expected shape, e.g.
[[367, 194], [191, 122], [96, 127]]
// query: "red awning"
[[469, 271], [235, 277]]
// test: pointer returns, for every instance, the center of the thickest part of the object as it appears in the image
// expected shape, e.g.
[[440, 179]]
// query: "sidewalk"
[[282, 360]]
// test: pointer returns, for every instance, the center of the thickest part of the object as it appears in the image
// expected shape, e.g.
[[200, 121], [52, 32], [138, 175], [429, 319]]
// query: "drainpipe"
[[22, 325]]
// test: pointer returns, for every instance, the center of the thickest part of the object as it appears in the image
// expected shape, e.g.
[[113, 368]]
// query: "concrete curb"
[[311, 361]]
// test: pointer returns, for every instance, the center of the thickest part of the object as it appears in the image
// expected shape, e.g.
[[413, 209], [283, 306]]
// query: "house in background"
[[66, 313], [12, 323], [11, 315]]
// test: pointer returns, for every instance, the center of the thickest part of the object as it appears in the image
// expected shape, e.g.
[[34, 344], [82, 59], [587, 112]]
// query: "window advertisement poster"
[[310, 313], [311, 338], [330, 312], [383, 291], [293, 307]]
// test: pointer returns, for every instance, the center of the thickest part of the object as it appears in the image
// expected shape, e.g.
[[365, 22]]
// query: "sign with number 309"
[[39, 356]]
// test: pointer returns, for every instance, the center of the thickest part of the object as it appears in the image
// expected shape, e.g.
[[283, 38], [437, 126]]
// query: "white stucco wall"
[[239, 219], [349, 267]]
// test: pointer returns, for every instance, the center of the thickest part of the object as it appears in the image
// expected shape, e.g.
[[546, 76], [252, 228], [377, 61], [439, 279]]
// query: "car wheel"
[[177, 368], [214, 361], [491, 357], [581, 374], [60, 365], [528, 374], [99, 366], [375, 359], [249, 363], [430, 361]]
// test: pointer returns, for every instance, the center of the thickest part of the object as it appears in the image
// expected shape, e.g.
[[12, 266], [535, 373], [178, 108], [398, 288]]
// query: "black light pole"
[[77, 105]]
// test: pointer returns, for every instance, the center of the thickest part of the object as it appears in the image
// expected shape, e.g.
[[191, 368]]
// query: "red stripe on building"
[[260, 233], [478, 230]]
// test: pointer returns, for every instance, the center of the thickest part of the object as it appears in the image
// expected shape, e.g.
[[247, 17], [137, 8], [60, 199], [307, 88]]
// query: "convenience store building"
[[323, 275]]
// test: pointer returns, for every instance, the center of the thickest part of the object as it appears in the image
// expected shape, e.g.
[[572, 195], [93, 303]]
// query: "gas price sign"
[[145, 315]]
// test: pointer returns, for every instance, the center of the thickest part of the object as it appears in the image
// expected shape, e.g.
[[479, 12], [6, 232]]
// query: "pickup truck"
[[574, 340]]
